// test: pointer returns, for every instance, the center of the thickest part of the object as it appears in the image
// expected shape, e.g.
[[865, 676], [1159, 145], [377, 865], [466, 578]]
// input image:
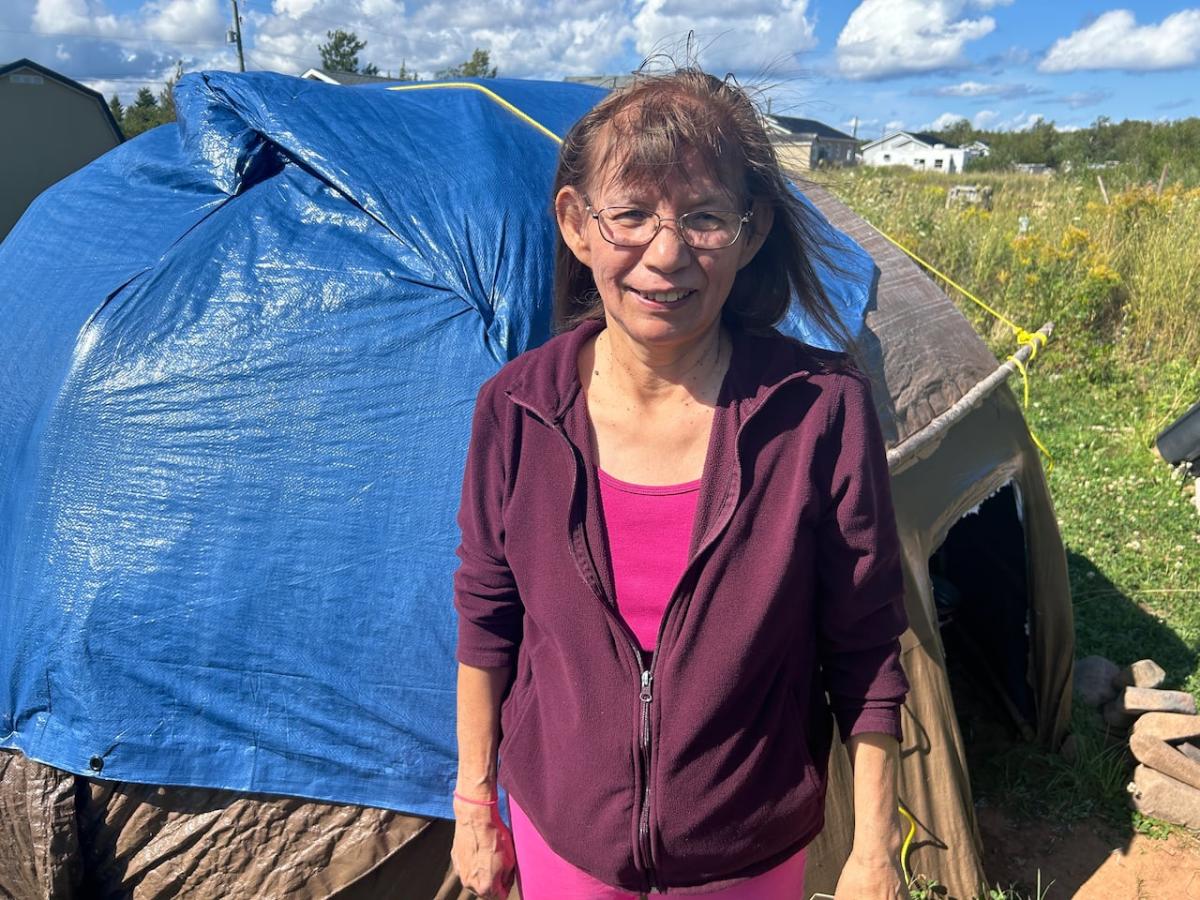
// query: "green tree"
[[478, 66], [407, 74], [958, 133], [340, 53], [166, 97], [118, 110], [143, 115]]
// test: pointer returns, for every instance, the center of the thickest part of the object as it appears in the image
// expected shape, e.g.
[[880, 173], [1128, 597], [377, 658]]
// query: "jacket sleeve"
[[859, 578], [485, 593]]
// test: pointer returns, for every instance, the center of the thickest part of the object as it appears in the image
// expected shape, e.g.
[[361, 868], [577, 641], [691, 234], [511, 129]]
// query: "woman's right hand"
[[483, 850]]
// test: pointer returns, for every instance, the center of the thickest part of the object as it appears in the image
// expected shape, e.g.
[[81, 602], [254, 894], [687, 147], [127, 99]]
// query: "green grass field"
[[1121, 281]]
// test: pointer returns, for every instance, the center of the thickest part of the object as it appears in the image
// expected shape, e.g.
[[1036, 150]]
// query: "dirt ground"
[[1088, 861]]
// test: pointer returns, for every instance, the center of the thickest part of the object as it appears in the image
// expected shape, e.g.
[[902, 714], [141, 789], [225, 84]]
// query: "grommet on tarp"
[[95, 763]]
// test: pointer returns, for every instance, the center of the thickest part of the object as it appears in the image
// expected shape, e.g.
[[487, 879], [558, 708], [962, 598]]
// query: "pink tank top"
[[649, 532]]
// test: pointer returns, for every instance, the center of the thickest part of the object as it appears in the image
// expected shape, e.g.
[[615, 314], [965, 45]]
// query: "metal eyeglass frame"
[[743, 219]]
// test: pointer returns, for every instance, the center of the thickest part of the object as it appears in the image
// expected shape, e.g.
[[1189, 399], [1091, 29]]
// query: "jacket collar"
[[547, 380]]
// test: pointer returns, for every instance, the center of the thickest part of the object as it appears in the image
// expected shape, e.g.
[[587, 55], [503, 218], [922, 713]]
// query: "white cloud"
[[944, 121], [884, 38], [185, 21], [1116, 41], [539, 38], [985, 119], [746, 35], [974, 89], [1023, 122], [80, 16], [894, 125]]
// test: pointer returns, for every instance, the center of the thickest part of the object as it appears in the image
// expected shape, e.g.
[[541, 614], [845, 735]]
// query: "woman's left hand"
[[871, 877]]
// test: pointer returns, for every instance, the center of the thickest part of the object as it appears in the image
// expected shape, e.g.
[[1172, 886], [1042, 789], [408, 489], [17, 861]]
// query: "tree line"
[[1142, 148], [338, 54]]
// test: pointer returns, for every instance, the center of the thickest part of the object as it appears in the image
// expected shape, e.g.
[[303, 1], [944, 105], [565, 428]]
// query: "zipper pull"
[[646, 696]]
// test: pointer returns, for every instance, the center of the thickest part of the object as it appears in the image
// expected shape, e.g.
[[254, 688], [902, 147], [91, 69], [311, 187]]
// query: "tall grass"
[[1120, 280]]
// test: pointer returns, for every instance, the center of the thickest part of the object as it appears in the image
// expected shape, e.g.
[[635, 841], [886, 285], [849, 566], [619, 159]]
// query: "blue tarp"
[[238, 358]]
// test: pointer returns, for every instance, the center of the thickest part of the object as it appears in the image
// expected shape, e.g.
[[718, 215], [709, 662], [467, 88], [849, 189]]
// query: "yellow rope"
[[1024, 336], [491, 95], [912, 830]]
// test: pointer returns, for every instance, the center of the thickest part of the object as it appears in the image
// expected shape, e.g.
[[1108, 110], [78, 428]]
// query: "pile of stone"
[[1162, 728]]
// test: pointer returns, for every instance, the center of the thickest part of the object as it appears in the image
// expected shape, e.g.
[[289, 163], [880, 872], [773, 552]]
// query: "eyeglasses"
[[704, 229]]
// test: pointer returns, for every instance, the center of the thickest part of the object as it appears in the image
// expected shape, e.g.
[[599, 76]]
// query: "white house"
[[977, 150], [915, 149]]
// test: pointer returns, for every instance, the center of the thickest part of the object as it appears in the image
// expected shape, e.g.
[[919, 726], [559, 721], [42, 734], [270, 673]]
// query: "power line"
[[114, 39]]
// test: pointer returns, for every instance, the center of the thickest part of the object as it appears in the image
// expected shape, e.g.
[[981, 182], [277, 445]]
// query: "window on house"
[[919, 162], [937, 163], [887, 157]]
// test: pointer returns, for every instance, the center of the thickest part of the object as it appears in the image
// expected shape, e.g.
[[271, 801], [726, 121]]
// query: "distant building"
[[612, 82], [809, 144], [53, 125], [1033, 168], [330, 77], [977, 150], [915, 149]]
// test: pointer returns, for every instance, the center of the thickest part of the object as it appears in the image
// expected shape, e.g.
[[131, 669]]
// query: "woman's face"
[[665, 293]]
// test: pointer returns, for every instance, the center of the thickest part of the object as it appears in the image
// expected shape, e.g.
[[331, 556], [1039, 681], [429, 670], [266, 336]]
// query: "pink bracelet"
[[459, 796]]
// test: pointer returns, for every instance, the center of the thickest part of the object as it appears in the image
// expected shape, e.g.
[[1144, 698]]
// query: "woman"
[[677, 539]]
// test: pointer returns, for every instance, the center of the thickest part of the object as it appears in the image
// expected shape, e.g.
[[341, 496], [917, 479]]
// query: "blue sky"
[[888, 63]]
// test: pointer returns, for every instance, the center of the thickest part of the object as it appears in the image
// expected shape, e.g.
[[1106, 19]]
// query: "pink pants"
[[544, 875]]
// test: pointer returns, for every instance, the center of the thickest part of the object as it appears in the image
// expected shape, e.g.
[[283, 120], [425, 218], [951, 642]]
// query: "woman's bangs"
[[651, 143]]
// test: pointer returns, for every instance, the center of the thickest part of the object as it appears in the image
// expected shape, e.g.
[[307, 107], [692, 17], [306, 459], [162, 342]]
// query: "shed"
[[808, 144], [53, 125]]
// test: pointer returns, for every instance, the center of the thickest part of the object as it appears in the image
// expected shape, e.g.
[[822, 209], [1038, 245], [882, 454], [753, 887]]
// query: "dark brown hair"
[[644, 131]]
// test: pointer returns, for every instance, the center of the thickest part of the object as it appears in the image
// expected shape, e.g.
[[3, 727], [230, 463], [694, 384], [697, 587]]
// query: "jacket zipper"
[[646, 675], [646, 696]]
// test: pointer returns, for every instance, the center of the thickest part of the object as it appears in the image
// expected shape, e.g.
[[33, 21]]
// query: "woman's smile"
[[667, 298]]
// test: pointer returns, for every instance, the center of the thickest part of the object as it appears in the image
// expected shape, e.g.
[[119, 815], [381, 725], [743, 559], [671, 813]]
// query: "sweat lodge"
[[237, 371]]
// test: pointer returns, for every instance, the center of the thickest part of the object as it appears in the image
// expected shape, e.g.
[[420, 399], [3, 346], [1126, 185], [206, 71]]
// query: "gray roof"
[[344, 77], [809, 126], [606, 81], [931, 139]]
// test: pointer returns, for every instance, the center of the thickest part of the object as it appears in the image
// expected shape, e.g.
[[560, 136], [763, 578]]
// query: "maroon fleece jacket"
[[709, 766]]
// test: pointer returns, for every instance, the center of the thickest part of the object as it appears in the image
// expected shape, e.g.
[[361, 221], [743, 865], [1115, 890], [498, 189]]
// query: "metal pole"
[[237, 30]]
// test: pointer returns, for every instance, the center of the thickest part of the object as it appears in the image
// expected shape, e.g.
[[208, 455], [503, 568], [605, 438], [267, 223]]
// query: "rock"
[[1115, 717], [1168, 726], [1162, 757], [1145, 673], [1191, 751], [1158, 795], [1135, 701], [1096, 680]]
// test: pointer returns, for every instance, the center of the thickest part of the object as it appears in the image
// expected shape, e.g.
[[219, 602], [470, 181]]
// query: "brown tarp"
[[62, 836], [923, 356]]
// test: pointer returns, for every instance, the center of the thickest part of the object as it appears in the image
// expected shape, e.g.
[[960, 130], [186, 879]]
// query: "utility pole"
[[854, 134], [235, 36]]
